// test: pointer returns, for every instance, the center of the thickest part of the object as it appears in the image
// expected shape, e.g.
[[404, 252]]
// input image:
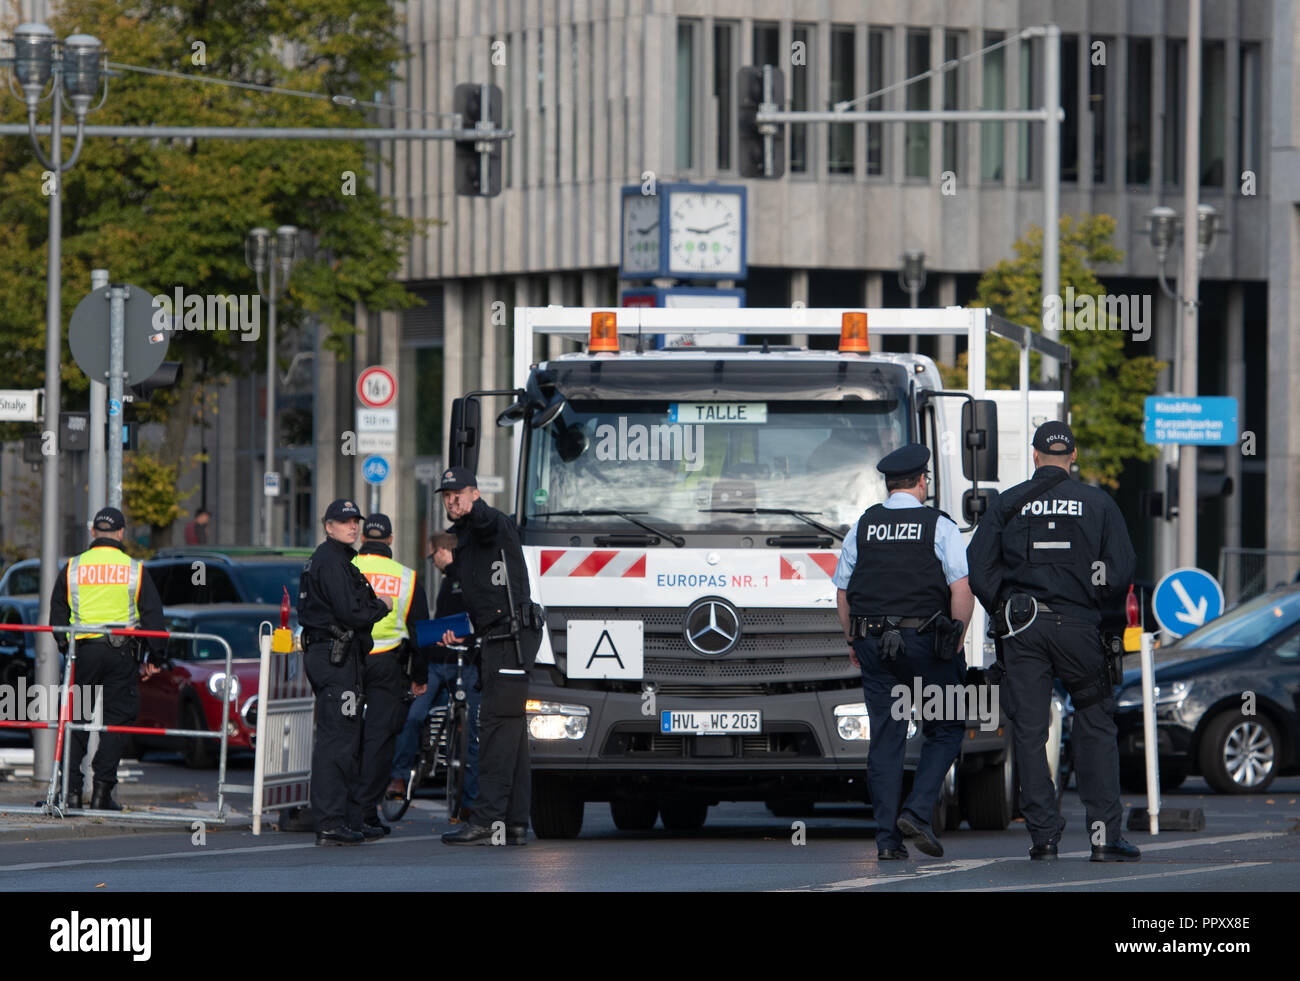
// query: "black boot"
[[101, 797], [74, 799]]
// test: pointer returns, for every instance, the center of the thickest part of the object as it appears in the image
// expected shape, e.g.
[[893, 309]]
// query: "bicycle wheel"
[[457, 749]]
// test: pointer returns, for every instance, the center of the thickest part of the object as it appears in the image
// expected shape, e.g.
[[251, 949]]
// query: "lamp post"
[[911, 280], [264, 254], [1166, 229], [73, 69]]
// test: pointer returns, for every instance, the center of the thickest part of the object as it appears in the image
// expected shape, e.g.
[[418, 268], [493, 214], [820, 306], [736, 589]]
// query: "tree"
[[1107, 387], [173, 213]]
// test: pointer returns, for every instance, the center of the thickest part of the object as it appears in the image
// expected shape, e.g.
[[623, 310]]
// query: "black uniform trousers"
[[889, 735], [336, 741], [115, 668], [1070, 648], [504, 774], [385, 716]]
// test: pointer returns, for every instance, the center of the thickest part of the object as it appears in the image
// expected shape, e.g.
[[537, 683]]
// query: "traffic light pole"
[[116, 367]]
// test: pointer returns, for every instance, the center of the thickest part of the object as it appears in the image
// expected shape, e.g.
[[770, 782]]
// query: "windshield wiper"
[[801, 515], [677, 540]]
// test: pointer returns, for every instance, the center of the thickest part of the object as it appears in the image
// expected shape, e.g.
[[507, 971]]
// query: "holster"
[[861, 627], [340, 645], [1112, 650]]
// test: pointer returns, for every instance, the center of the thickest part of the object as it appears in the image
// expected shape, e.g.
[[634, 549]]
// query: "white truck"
[[681, 511]]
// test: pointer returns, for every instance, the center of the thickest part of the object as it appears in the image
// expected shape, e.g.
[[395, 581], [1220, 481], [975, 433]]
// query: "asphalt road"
[[1248, 845]]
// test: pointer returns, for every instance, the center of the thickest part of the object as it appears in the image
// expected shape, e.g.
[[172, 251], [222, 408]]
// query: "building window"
[[1025, 143], [767, 44], [1070, 103], [916, 138], [1249, 109], [1137, 114], [799, 78], [840, 137], [1173, 121], [724, 71], [992, 141], [876, 48], [1097, 106], [1214, 112], [953, 46], [685, 96]]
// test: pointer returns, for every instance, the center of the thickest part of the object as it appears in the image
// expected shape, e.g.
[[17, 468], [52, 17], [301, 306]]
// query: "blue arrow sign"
[[1186, 599], [375, 469], [1201, 421]]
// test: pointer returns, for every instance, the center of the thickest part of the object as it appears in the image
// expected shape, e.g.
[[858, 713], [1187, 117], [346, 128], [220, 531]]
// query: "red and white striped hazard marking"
[[809, 565], [609, 563]]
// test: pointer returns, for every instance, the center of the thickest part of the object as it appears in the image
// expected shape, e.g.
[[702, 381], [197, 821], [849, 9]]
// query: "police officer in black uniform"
[[904, 603], [487, 556], [1044, 562], [336, 608]]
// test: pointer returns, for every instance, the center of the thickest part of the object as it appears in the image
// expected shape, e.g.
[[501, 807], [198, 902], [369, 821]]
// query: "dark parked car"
[[18, 648], [188, 576], [188, 695], [1227, 701], [24, 577]]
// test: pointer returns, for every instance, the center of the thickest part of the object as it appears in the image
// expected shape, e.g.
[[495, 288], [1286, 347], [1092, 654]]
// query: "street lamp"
[[264, 254], [911, 280], [73, 69]]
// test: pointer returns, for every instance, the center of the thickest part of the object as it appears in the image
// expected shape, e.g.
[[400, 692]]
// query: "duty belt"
[[905, 623], [316, 637], [874, 625]]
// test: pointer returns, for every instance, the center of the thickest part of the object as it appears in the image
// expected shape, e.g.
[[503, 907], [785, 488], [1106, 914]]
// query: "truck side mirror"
[[977, 503], [463, 444], [979, 427]]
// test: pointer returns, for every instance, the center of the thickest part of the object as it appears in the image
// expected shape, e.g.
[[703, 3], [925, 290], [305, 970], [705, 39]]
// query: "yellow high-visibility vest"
[[388, 577], [104, 587]]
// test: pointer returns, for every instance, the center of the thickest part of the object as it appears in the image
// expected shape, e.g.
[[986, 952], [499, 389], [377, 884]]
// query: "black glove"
[[891, 645]]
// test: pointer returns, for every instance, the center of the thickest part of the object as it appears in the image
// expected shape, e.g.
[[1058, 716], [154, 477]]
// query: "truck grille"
[[638, 743]]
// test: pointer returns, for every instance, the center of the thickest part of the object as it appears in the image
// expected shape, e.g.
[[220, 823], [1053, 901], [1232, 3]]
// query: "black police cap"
[[906, 461], [377, 526], [1053, 437], [457, 478], [342, 510], [109, 519]]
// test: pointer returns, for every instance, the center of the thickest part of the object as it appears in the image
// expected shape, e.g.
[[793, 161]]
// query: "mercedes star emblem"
[[712, 626]]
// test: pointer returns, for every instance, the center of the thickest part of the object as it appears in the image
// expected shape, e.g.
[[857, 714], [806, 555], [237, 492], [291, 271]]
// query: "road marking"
[[1108, 881], [154, 857], [1164, 846]]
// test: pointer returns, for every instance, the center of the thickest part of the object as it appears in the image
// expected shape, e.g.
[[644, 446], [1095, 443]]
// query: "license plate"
[[708, 722]]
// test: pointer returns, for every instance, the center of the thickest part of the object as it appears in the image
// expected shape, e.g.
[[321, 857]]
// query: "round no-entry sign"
[[376, 387]]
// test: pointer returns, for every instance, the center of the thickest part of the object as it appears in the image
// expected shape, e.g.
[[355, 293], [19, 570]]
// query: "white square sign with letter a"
[[606, 649]]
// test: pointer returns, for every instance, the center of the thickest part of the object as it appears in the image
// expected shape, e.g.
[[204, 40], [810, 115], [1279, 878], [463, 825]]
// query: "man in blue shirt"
[[903, 567]]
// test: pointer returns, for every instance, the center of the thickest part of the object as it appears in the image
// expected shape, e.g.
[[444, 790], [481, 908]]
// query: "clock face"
[[641, 234], [704, 233]]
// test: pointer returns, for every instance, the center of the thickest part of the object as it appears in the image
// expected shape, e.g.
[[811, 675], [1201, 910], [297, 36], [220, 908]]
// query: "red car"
[[189, 694]]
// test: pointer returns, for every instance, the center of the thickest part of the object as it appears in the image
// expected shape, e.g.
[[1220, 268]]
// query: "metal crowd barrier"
[[55, 804]]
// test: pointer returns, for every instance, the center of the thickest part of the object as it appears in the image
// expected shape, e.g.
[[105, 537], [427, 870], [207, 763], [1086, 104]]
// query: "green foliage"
[[1107, 388], [149, 494]]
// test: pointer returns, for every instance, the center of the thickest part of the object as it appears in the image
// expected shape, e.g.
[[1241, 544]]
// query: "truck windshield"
[[813, 456]]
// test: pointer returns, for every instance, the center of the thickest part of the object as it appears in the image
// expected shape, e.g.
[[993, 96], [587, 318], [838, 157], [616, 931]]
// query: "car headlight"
[[551, 720], [1170, 694], [852, 722], [219, 688]]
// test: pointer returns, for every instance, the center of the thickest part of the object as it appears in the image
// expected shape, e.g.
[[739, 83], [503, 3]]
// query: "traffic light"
[[167, 375], [1209, 485], [473, 155], [751, 134]]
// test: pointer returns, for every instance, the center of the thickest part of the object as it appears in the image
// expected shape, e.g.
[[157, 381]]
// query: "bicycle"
[[443, 757]]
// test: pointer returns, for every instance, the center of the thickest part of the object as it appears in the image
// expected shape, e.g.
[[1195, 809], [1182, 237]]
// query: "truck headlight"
[[217, 685], [551, 720], [1164, 694], [852, 722]]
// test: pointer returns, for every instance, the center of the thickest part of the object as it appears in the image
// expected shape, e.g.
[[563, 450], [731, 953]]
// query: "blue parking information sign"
[[1186, 599], [375, 469], [1206, 420]]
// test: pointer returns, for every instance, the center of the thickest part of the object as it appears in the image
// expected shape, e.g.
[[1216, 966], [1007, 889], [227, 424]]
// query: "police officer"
[[903, 567], [105, 585], [1044, 561], [384, 675], [487, 554], [336, 608]]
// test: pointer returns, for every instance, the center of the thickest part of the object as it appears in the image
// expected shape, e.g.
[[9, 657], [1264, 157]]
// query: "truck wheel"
[[556, 809], [634, 813], [1239, 753], [200, 754], [947, 808], [684, 815], [988, 796]]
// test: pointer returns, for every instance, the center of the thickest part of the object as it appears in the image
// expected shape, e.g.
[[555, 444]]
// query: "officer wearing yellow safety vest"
[[387, 677], [105, 585]]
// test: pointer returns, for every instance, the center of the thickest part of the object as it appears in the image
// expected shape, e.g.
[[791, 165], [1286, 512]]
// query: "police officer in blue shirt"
[[903, 567]]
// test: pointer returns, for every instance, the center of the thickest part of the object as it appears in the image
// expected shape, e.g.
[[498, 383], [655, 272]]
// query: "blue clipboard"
[[429, 632]]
